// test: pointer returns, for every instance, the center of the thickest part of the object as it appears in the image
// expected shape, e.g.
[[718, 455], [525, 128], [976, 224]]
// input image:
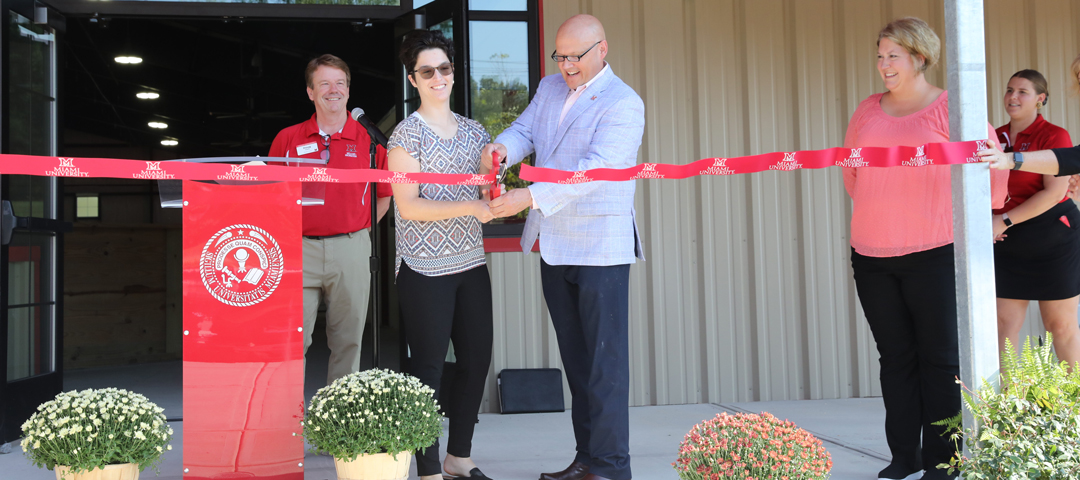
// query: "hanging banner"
[[951, 153], [243, 337]]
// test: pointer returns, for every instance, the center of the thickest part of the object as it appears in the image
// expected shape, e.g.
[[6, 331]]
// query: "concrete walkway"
[[519, 447]]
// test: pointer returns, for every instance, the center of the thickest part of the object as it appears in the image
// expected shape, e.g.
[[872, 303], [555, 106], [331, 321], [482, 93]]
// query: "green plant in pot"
[[100, 434], [1029, 428], [372, 422]]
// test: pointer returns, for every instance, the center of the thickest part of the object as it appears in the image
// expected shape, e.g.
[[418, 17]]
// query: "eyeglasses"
[[325, 154], [572, 58], [427, 72]]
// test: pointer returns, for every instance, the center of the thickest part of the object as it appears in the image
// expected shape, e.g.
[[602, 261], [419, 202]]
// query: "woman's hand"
[[999, 228], [1074, 187], [996, 158], [482, 212]]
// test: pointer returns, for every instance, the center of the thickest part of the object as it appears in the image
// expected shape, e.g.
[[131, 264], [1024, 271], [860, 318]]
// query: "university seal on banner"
[[241, 265]]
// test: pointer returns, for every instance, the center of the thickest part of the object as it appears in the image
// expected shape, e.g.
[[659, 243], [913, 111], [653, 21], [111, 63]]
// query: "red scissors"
[[500, 169]]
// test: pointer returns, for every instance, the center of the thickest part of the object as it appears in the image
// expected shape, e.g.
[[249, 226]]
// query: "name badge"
[[307, 148]]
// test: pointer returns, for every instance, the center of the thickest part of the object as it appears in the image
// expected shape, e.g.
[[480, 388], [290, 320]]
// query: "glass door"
[[30, 264]]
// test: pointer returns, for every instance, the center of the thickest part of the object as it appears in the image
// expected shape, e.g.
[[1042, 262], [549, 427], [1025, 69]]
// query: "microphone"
[[372, 130]]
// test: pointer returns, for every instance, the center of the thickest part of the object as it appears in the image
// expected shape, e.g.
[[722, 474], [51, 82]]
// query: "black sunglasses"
[[572, 58], [427, 72]]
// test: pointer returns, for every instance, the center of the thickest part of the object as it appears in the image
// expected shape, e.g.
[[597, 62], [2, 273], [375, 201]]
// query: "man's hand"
[[511, 202], [485, 154], [1074, 187]]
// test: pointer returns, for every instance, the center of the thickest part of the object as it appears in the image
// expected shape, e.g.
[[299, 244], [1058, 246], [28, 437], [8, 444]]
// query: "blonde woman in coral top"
[[902, 252]]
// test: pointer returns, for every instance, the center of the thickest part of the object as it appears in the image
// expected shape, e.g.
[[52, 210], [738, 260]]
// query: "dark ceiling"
[[226, 87]]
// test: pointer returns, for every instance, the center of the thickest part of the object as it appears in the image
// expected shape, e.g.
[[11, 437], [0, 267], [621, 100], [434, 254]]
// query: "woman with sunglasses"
[[444, 291], [1037, 254]]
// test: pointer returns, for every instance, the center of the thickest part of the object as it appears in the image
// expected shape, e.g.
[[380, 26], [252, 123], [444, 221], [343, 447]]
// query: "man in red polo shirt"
[[336, 236]]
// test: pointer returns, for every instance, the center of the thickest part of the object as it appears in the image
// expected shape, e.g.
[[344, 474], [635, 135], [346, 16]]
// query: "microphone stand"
[[374, 259]]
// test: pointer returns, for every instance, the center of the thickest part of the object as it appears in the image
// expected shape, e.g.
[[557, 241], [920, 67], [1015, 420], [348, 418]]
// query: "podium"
[[243, 354]]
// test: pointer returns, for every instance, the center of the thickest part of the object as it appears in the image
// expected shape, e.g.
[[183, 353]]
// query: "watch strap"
[[1005, 218], [1018, 160]]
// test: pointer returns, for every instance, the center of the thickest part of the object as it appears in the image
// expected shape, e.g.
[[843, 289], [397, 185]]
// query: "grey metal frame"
[[976, 297]]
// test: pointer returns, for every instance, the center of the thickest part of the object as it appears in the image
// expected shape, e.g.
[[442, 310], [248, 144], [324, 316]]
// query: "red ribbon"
[[949, 153], [174, 170]]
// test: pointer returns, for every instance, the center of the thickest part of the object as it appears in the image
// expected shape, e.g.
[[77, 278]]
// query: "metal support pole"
[[374, 263], [972, 227]]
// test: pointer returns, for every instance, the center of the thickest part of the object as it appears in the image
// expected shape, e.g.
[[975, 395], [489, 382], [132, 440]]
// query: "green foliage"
[[90, 429], [1028, 430], [497, 102], [374, 411]]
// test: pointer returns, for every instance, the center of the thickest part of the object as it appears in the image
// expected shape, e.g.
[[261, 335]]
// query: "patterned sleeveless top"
[[453, 245]]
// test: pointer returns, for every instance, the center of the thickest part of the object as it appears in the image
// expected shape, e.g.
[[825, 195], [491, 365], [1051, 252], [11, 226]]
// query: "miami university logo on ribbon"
[[66, 168], [153, 171], [648, 170], [241, 265], [979, 145], [400, 177], [237, 173], [788, 163], [719, 167], [919, 160], [579, 177], [855, 159], [476, 179], [319, 175]]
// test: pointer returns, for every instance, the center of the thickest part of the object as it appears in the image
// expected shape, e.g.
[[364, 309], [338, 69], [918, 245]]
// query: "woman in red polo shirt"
[[1037, 252]]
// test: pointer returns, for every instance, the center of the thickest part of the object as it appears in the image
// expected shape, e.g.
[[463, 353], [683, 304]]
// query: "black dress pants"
[[436, 311], [590, 308], [910, 304]]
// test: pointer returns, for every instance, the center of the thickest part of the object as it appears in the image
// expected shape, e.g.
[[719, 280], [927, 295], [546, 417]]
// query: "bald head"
[[581, 36], [585, 26]]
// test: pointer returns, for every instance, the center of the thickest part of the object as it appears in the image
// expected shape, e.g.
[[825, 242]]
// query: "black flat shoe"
[[474, 473]]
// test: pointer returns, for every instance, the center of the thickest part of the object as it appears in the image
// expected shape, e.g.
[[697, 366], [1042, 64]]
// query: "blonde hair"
[[916, 37], [1075, 71]]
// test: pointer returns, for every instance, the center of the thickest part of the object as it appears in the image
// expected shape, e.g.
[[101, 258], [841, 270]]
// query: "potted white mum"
[[105, 434], [372, 422]]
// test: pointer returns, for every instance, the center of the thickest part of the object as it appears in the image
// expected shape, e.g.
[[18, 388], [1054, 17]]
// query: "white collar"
[[607, 68]]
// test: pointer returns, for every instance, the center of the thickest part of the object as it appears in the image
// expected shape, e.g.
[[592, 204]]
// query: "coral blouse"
[[1040, 135], [903, 210]]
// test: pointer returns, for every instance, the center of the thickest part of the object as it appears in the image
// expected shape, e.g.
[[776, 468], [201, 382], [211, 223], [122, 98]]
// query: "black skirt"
[[1040, 258]]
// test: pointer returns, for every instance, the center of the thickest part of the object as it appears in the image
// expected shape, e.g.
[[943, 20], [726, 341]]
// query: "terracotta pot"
[[123, 471], [380, 466]]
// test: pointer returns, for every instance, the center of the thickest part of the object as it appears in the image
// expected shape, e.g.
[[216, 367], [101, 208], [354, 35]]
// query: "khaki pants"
[[335, 269]]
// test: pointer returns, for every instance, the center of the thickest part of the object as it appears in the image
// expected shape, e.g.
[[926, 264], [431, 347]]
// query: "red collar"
[[351, 130]]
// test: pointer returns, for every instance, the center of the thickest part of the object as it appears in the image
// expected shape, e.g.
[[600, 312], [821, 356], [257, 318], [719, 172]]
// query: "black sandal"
[[474, 473]]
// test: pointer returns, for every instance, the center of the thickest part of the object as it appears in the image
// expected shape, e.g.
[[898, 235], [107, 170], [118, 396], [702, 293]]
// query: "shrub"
[[1028, 429], [90, 429], [748, 446], [374, 411]]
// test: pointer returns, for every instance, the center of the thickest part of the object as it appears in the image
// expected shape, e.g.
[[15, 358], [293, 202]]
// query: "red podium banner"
[[243, 339]]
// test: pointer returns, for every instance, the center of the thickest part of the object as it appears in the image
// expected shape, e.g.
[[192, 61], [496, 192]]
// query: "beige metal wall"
[[747, 292]]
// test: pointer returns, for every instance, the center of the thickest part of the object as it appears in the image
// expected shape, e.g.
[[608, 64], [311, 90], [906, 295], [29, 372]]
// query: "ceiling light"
[[158, 125], [170, 143], [128, 59], [147, 95]]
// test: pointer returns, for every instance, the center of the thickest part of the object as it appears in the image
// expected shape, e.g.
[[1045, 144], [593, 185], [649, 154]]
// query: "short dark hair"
[[417, 41], [1037, 80], [326, 60]]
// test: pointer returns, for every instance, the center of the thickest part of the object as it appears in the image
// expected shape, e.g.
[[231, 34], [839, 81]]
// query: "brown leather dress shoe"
[[576, 471]]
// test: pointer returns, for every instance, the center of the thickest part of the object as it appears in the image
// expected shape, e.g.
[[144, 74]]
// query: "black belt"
[[324, 237]]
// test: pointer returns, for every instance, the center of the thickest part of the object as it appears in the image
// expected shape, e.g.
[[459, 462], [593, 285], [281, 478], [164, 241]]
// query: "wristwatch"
[[1018, 160], [1005, 218]]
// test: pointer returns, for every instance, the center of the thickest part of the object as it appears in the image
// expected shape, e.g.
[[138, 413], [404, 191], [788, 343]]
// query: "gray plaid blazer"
[[586, 223]]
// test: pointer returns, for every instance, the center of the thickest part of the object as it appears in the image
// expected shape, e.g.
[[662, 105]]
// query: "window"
[[86, 205]]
